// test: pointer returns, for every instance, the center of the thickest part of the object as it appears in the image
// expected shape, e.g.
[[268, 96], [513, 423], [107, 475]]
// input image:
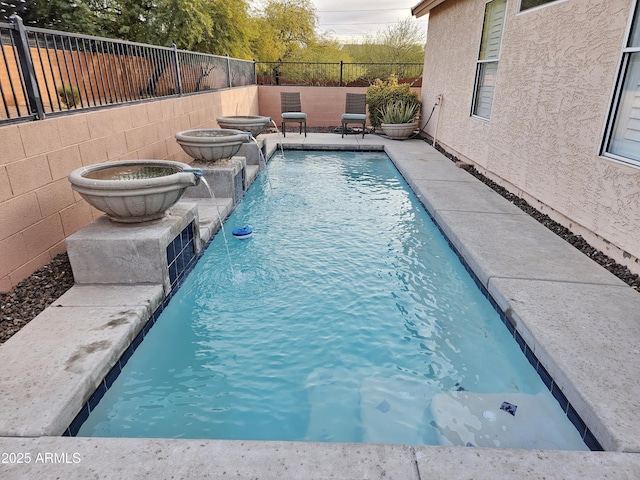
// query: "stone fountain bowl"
[[133, 191], [211, 144], [253, 124]]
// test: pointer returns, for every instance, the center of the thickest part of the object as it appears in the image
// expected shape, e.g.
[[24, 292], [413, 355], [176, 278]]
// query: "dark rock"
[[622, 272]]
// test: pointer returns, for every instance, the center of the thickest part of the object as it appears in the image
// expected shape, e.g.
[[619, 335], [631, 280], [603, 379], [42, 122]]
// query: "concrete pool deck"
[[581, 322]]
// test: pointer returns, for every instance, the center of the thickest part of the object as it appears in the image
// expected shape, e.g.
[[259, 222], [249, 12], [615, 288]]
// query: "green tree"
[[231, 31], [400, 43], [283, 29], [69, 16]]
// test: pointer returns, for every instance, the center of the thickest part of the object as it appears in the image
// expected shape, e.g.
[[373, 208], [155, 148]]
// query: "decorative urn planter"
[[399, 130], [253, 124], [211, 144], [133, 191]]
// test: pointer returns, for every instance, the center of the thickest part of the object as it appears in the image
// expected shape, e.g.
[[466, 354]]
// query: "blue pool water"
[[345, 317]]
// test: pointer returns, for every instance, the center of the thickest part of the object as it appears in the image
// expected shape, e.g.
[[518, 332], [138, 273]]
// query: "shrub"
[[383, 92], [69, 95]]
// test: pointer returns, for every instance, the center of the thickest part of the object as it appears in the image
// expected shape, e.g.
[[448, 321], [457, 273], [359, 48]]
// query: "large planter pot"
[[253, 124], [133, 191], [211, 144], [399, 130]]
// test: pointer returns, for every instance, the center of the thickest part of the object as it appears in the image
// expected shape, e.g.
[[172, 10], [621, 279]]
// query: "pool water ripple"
[[347, 317]]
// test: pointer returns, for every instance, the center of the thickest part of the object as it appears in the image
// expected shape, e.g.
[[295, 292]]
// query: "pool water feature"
[[348, 318]]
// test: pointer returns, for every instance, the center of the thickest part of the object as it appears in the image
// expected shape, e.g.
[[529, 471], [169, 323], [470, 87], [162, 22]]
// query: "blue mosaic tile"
[[591, 442], [533, 360], [577, 421], [510, 326], [129, 351], [544, 375], [171, 253], [112, 375], [173, 273], [559, 396], [77, 422], [96, 397], [520, 341]]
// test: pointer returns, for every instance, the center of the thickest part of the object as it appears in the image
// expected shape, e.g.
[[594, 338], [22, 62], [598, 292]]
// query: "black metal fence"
[[46, 72], [340, 74]]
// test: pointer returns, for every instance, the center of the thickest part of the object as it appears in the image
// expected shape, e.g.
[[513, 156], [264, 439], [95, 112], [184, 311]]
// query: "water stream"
[[224, 235]]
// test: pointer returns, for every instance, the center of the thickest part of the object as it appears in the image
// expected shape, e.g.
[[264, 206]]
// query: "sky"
[[353, 20]]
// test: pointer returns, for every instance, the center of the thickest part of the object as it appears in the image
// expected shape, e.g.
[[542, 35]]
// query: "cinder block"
[[13, 254], [12, 149], [94, 151], [63, 161], [43, 235], [55, 196], [5, 187], [76, 216], [18, 213], [28, 174], [73, 129], [39, 137]]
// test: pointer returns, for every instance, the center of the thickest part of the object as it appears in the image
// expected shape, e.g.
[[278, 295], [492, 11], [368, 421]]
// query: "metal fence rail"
[[341, 74], [45, 72]]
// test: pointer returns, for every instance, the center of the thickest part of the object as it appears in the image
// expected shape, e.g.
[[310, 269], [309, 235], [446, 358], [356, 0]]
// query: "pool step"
[[505, 420]]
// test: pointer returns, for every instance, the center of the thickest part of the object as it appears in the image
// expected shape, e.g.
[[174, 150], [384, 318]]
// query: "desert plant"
[[383, 92], [399, 111], [69, 95]]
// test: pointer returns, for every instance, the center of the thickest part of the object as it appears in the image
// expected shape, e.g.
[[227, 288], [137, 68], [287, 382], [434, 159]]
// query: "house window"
[[527, 4], [623, 136], [487, 67]]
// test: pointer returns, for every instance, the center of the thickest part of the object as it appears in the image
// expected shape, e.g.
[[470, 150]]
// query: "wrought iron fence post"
[[176, 65], [228, 71], [19, 35], [341, 64]]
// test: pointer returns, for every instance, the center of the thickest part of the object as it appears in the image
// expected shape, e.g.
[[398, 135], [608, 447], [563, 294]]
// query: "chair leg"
[[363, 128], [284, 131], [305, 128]]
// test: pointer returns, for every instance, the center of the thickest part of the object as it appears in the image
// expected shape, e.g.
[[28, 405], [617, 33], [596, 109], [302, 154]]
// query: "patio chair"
[[355, 111], [292, 111]]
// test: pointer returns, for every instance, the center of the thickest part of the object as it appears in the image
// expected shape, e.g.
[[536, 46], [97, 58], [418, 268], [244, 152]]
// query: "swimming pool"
[[344, 317]]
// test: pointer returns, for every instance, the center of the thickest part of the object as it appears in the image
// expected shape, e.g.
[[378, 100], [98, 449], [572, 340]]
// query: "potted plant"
[[397, 102], [399, 118]]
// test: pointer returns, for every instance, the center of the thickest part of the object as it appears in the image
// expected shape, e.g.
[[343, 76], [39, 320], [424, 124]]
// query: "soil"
[[35, 293]]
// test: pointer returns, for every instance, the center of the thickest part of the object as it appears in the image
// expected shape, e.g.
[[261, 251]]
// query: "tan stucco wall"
[[38, 209], [557, 70]]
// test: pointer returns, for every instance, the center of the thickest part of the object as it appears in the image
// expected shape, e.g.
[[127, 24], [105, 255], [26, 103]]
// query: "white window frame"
[[616, 106], [480, 62]]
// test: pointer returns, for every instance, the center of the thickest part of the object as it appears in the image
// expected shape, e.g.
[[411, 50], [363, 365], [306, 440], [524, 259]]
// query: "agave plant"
[[399, 111]]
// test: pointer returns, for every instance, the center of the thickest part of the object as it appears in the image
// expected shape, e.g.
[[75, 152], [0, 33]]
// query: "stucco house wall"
[[38, 208], [557, 72]]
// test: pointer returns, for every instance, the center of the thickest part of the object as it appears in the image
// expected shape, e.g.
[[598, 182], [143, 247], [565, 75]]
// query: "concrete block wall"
[[38, 209]]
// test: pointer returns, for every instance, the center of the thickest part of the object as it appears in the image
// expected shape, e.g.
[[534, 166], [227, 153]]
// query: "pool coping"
[[561, 303]]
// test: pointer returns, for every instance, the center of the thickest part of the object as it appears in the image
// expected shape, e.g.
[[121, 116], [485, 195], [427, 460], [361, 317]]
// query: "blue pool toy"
[[242, 232]]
